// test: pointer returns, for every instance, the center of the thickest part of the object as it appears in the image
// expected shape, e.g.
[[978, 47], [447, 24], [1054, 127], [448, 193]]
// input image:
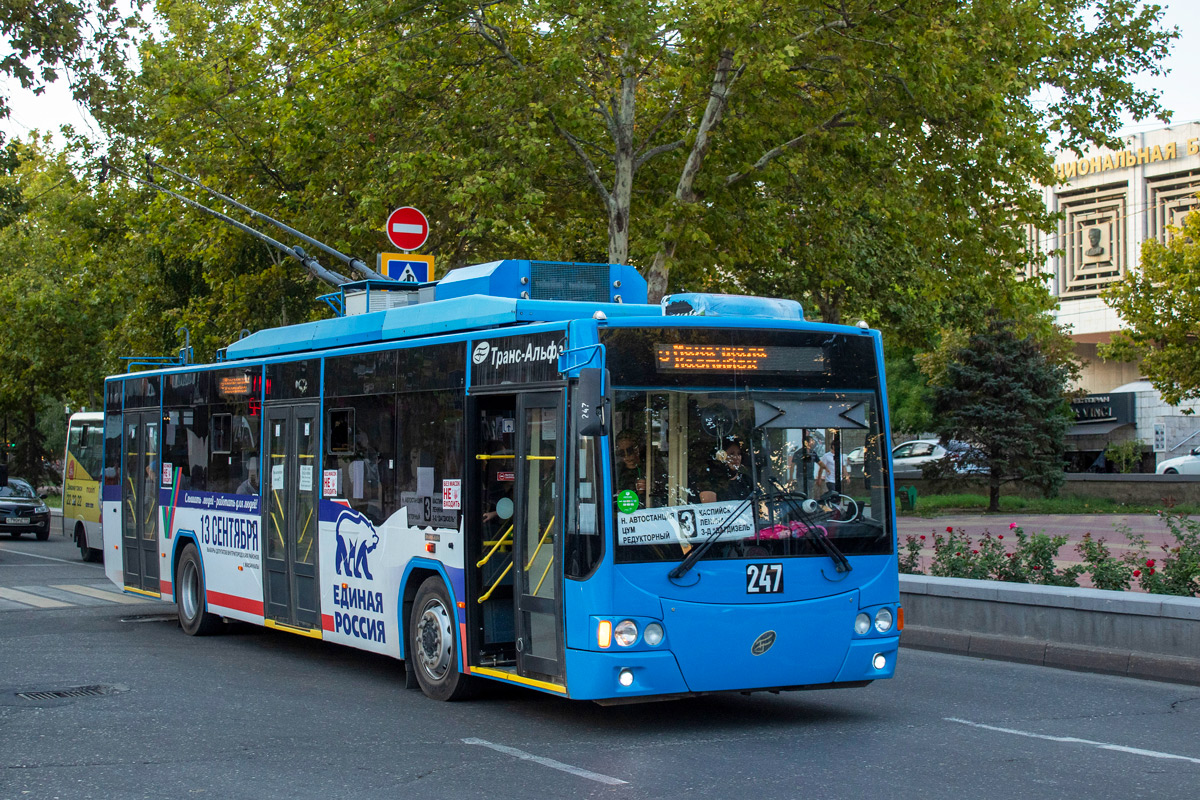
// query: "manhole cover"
[[72, 692]]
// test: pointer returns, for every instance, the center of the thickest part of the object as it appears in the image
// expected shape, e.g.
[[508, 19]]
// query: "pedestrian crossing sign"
[[406, 267]]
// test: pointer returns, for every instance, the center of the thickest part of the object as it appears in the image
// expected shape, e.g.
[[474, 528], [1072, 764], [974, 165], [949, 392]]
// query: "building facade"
[[1111, 202]]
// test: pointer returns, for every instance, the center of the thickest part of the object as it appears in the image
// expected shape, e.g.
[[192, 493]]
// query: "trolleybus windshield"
[[763, 455]]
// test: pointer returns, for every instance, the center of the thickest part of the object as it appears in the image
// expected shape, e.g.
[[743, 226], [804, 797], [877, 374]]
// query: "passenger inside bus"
[[498, 484], [728, 477], [636, 472], [250, 485]]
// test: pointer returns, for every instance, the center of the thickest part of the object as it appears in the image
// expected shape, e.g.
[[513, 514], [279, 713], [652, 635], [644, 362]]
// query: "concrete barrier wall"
[[1122, 633], [1164, 490]]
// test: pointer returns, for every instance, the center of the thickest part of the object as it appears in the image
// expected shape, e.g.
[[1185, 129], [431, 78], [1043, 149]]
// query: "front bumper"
[[38, 523]]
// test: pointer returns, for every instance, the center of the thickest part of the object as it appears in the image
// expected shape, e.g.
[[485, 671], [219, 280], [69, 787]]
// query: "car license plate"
[[17, 520], [764, 578]]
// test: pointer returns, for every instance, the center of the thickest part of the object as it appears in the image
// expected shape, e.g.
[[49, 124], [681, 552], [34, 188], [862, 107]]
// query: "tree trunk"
[[994, 493], [723, 78], [623, 164]]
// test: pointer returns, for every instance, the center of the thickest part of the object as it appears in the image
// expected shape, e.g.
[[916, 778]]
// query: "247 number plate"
[[764, 578]]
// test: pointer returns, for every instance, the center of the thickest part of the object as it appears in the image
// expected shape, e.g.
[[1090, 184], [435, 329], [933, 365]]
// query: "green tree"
[[1002, 392], [704, 136], [61, 302], [83, 38], [703, 100], [1160, 305]]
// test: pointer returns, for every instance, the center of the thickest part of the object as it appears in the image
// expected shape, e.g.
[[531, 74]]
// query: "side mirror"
[[589, 403]]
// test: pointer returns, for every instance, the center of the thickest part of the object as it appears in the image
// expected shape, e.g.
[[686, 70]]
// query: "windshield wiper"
[[814, 528], [697, 552]]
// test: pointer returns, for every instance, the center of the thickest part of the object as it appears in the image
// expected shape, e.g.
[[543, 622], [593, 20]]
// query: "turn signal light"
[[900, 618], [604, 634]]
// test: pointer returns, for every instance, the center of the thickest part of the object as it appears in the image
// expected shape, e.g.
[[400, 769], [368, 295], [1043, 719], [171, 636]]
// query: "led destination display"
[[738, 358]]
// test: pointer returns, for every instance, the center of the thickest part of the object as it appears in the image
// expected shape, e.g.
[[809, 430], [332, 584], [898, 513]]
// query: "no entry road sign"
[[407, 228]]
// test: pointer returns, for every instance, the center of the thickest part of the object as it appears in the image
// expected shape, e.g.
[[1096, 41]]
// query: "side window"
[[903, 451], [233, 433], [112, 450], [222, 433], [361, 448], [341, 431], [584, 544], [430, 453]]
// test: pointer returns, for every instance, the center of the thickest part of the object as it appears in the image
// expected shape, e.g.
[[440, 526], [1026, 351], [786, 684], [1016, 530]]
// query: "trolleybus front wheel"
[[190, 596], [432, 654]]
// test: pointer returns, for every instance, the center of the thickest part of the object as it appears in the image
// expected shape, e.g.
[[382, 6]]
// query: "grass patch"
[[937, 504]]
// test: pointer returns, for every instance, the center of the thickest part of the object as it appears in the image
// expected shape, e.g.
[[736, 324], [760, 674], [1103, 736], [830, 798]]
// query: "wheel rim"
[[434, 641], [189, 595]]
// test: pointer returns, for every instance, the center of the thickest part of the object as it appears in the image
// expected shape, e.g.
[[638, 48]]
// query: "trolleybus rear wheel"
[[86, 553], [190, 596], [432, 654]]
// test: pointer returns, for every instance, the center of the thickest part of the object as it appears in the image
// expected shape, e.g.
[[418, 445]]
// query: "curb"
[[1081, 658], [1154, 637]]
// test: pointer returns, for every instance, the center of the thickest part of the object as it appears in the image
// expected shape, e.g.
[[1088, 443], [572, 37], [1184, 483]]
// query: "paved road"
[[262, 714]]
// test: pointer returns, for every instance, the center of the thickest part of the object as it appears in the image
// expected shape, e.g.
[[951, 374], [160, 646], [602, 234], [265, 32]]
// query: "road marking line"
[[548, 762], [31, 599], [112, 597], [1137, 751], [51, 558]]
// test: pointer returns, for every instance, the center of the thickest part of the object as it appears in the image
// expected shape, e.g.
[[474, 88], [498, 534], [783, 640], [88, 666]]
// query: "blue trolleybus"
[[525, 473]]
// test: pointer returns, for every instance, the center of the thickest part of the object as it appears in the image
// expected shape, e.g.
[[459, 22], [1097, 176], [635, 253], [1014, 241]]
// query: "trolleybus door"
[[139, 500], [290, 486], [537, 543]]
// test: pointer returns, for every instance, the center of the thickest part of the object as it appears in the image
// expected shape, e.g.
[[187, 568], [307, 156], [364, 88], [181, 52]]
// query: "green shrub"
[[1028, 558]]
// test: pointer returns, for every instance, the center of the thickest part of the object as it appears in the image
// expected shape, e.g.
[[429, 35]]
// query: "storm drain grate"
[[64, 694]]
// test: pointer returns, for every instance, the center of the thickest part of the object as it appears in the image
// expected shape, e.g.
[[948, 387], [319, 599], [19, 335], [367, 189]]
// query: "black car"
[[22, 511]]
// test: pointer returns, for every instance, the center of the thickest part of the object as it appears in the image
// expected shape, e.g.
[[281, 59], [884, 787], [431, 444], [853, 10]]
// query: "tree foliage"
[[1002, 393], [58, 316], [1160, 305], [83, 38]]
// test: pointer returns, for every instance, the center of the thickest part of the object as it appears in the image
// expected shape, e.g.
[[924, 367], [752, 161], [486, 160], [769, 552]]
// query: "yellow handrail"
[[304, 558], [503, 536], [494, 458], [545, 572], [541, 458], [488, 593], [549, 525]]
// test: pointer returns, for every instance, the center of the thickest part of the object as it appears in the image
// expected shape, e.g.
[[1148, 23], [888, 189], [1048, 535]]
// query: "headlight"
[[653, 634], [626, 632], [883, 620], [862, 623]]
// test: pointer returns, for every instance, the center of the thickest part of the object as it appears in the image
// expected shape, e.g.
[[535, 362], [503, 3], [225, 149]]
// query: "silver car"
[[1184, 465], [909, 457]]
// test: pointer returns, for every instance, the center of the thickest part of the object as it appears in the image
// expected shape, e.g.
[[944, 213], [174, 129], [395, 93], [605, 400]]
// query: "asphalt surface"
[[263, 714]]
